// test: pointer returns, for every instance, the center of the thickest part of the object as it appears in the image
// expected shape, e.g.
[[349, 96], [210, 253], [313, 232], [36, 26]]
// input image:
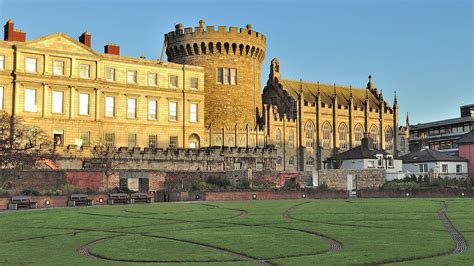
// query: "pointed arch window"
[[374, 135], [388, 139], [327, 135], [291, 138], [278, 138], [358, 134], [309, 129], [343, 137]]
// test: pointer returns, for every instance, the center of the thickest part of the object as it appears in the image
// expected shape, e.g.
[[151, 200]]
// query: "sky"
[[421, 49]]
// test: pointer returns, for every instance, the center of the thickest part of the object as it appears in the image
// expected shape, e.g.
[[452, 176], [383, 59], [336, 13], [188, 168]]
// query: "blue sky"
[[422, 49]]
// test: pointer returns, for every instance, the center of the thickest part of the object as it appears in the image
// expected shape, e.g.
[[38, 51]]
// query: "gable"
[[60, 42]]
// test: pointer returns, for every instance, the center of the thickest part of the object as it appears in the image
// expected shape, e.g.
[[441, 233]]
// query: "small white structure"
[[366, 156], [434, 163]]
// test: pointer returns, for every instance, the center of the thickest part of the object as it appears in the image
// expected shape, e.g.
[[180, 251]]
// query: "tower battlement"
[[221, 40]]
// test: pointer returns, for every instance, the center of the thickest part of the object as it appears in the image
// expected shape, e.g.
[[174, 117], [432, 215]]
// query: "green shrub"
[[222, 182], [30, 192], [400, 185]]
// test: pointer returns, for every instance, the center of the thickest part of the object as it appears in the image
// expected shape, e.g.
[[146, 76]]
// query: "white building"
[[366, 156], [434, 163]]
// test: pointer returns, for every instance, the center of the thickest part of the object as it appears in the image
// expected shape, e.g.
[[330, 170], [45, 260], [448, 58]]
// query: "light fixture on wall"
[[408, 194], [462, 194], [101, 200], [254, 196], [47, 202], [197, 196], [303, 196]]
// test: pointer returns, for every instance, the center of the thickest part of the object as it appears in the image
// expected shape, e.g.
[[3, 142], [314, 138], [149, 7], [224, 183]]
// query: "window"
[[132, 76], [291, 138], [152, 141], [237, 165], [2, 62], [343, 137], [30, 100], [310, 161], [374, 135], [227, 76], [444, 168], [132, 140], [152, 110], [109, 140], [173, 111], [86, 138], [193, 112], [83, 103], [31, 65], [58, 68], [279, 160], [85, 71], [326, 136], [370, 164], [278, 138], [110, 74], [358, 132], [388, 139], [423, 168], [131, 108], [173, 142], [291, 161], [1, 98], [390, 161], [194, 83], [379, 160], [58, 137], [152, 79], [58, 97], [173, 81], [458, 168], [309, 129], [109, 106]]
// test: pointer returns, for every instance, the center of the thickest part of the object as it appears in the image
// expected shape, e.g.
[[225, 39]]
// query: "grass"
[[285, 232]]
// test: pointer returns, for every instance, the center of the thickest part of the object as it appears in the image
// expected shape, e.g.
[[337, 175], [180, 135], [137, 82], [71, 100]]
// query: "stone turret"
[[232, 60]]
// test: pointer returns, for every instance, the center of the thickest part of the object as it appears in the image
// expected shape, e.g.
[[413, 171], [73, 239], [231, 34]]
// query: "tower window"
[[227, 76]]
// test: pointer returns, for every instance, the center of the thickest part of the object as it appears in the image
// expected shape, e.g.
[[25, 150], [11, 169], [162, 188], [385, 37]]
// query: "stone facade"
[[361, 179]]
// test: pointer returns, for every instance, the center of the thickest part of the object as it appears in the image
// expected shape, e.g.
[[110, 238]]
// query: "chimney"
[[86, 38], [112, 48], [367, 142], [12, 34]]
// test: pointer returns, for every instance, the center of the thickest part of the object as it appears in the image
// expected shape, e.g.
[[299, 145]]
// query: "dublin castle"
[[207, 94]]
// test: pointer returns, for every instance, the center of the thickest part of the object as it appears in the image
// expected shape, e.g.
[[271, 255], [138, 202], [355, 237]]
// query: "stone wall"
[[337, 178]]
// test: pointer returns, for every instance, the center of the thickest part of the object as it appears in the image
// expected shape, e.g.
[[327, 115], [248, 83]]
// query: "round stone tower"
[[231, 58]]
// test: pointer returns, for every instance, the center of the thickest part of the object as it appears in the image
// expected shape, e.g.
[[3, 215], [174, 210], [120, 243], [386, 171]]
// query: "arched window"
[[278, 138], [388, 139], [194, 141], [291, 138], [218, 141], [358, 134], [402, 144], [309, 129], [291, 161], [326, 135], [343, 137], [310, 161], [230, 141], [374, 135], [242, 141]]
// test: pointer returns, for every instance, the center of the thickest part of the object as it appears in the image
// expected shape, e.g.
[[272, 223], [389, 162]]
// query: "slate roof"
[[359, 152], [310, 89], [467, 138], [428, 155], [439, 123]]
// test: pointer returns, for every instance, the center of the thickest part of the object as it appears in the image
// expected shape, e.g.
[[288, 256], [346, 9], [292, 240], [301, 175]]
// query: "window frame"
[[61, 73], [88, 71], [113, 107], [27, 64], [81, 104], [156, 110], [55, 105], [170, 117], [30, 109], [114, 74], [155, 78], [2, 97], [134, 105], [2, 62], [196, 79], [174, 146], [196, 113], [458, 168], [135, 76], [170, 84]]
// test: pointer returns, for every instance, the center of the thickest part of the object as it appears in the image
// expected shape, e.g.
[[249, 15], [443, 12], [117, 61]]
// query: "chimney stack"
[[112, 48], [86, 38], [367, 142], [12, 34]]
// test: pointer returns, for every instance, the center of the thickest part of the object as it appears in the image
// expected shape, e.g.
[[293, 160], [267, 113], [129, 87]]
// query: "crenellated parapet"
[[210, 40]]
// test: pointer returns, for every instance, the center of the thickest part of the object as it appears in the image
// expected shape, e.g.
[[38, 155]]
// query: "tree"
[[22, 146]]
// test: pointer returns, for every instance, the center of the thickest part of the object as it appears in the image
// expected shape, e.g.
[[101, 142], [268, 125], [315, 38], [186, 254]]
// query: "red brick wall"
[[85, 180], [274, 195], [54, 201], [415, 193]]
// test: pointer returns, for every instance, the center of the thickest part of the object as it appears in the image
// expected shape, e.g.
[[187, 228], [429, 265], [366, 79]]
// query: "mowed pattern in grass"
[[285, 232]]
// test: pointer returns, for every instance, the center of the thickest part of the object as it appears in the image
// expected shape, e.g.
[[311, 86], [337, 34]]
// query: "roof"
[[359, 152], [428, 155], [310, 89], [446, 122], [467, 138]]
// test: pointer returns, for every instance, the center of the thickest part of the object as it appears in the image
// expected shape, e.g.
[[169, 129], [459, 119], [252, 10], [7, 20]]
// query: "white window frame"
[[193, 114], [31, 62], [390, 161], [370, 164], [232, 76], [87, 68], [154, 78], [173, 111], [113, 74], [57, 99], [131, 108], [152, 109], [174, 145], [30, 105], [132, 76], [459, 171], [379, 160], [196, 80], [2, 61], [171, 77], [84, 103], [109, 106], [58, 68], [2, 91], [442, 168], [423, 167]]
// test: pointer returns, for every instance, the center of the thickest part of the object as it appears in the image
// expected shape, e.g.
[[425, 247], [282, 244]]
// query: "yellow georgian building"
[[79, 96]]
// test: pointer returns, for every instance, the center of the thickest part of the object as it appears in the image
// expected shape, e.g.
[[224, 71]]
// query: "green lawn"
[[285, 232]]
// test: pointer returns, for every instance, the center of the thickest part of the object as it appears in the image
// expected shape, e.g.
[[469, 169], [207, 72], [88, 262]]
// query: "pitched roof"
[[467, 138], [428, 155], [359, 152], [310, 89], [445, 122]]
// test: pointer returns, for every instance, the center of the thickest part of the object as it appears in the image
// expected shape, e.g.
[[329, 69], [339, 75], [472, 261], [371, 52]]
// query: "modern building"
[[442, 135], [366, 156], [466, 150], [434, 163]]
